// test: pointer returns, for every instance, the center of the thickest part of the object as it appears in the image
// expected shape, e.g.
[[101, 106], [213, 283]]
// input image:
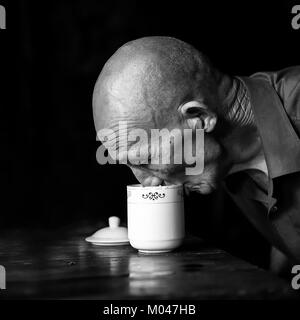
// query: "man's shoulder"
[[277, 116], [286, 83]]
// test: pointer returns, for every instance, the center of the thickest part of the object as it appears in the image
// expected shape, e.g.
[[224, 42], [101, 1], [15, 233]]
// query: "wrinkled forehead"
[[124, 136]]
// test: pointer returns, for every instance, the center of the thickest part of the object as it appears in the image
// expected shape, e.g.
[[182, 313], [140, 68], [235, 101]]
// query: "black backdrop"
[[53, 53]]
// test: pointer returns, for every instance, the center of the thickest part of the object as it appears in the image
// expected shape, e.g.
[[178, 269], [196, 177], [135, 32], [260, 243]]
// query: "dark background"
[[52, 53]]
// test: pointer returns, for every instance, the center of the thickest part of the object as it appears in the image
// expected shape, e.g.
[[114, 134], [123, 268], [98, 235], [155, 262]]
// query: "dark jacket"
[[275, 212]]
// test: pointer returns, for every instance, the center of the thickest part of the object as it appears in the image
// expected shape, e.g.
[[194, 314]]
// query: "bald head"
[[146, 81], [161, 83]]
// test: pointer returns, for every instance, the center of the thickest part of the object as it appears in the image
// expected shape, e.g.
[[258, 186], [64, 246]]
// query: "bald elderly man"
[[251, 129]]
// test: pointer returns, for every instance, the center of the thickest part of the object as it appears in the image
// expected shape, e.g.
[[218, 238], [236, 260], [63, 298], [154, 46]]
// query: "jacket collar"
[[280, 141]]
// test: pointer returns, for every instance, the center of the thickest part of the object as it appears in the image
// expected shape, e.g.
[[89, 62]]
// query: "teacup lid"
[[112, 235]]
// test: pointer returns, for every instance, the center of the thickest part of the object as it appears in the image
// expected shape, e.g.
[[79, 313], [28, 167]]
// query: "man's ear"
[[198, 116]]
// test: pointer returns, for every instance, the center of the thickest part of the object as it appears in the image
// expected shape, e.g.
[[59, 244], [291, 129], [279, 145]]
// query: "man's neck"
[[242, 143]]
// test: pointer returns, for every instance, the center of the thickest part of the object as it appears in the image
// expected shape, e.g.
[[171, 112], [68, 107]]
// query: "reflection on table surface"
[[42, 264]]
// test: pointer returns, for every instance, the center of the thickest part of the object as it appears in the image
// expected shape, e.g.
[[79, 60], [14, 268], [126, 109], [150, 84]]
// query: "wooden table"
[[50, 264]]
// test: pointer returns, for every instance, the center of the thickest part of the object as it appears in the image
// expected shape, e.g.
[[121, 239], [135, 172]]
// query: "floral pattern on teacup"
[[153, 195]]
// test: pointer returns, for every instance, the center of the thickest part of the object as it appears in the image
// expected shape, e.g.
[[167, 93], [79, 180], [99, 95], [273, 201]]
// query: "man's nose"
[[152, 181]]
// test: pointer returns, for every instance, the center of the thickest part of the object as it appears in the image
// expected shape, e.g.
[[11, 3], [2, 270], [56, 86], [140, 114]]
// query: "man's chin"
[[203, 188]]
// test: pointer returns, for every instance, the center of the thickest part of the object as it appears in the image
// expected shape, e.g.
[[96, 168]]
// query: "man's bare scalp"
[[147, 79]]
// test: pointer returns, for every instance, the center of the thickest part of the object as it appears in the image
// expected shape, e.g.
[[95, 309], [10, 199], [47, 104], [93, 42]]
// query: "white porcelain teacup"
[[155, 217]]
